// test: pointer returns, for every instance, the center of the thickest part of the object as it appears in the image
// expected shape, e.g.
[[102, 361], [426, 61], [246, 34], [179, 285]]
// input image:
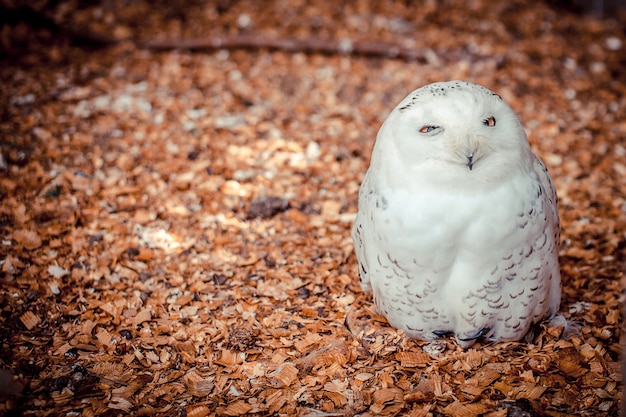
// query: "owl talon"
[[443, 333], [478, 335]]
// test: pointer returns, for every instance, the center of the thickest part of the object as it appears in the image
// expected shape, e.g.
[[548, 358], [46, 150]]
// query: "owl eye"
[[428, 129], [490, 121]]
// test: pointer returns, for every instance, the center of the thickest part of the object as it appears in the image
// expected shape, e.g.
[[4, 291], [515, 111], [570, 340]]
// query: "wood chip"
[[466, 410], [413, 359], [28, 239], [30, 320], [237, 408], [198, 410], [198, 385], [284, 375]]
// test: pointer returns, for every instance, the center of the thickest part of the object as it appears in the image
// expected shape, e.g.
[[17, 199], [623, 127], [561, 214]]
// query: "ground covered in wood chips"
[[175, 223]]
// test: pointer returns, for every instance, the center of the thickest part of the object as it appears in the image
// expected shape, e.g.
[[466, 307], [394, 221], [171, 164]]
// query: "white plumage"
[[457, 228]]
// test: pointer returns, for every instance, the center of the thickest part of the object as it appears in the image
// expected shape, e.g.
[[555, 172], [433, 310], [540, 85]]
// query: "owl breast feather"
[[442, 262]]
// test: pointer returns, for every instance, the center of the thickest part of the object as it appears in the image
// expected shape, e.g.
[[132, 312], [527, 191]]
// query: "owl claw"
[[478, 335], [442, 333]]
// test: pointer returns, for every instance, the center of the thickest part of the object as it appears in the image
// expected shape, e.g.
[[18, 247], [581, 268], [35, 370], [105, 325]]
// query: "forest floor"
[[178, 184]]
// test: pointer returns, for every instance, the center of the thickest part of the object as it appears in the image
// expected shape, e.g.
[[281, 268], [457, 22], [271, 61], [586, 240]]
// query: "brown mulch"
[[175, 223]]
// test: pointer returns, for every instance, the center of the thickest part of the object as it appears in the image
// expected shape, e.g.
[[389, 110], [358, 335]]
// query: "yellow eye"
[[427, 128], [490, 121]]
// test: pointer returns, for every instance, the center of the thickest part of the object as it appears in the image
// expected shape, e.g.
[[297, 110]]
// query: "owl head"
[[453, 131]]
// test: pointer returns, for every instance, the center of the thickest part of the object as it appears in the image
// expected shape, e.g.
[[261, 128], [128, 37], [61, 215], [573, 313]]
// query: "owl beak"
[[470, 160]]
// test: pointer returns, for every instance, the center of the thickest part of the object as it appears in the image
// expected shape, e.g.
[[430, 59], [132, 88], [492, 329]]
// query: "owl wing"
[[552, 217], [548, 186], [359, 233]]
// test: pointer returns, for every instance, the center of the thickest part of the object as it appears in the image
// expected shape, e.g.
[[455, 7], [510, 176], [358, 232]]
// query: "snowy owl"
[[457, 226]]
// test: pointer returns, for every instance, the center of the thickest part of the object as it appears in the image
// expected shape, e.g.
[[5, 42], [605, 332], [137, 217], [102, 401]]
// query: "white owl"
[[457, 227]]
